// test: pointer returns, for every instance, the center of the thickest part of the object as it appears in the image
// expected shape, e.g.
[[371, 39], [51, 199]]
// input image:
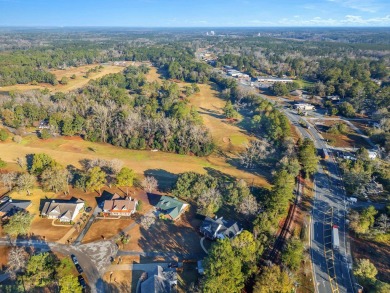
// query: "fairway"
[[70, 150], [78, 82]]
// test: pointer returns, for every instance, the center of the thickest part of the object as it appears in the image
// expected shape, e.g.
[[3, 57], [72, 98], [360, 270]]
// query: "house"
[[9, 207], [304, 106], [120, 206], [63, 210], [219, 228], [160, 281], [171, 207], [372, 155]]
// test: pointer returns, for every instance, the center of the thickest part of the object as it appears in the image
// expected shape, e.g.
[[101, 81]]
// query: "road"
[[329, 196]]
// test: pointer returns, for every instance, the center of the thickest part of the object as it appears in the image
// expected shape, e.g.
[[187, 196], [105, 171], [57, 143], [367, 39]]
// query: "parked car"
[[79, 269], [74, 259], [82, 282]]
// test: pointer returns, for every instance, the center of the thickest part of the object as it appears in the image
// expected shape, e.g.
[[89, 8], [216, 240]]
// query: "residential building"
[[274, 79], [9, 207], [63, 210], [219, 228], [171, 207], [304, 107], [120, 206], [160, 281]]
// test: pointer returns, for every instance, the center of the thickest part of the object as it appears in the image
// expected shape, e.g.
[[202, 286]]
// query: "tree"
[[280, 89], [248, 205], [256, 151], [55, 179], [45, 134], [347, 110], [18, 224], [273, 279], [365, 270], [3, 135], [64, 80], [125, 177], [25, 181], [17, 261], [147, 221], [229, 110], [40, 270], [149, 184], [96, 179], [383, 222], [293, 254], [246, 249], [2, 163], [308, 156], [209, 202], [222, 269], [8, 179], [21, 161], [41, 162], [70, 284], [73, 76]]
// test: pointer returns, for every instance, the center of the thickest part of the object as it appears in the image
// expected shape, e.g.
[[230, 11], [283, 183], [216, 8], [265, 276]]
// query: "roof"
[[159, 282], [119, 204], [223, 228], [171, 206], [61, 209], [12, 206]]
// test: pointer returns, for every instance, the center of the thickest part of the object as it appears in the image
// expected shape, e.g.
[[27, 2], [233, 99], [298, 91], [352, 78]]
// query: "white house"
[[64, 210], [304, 107]]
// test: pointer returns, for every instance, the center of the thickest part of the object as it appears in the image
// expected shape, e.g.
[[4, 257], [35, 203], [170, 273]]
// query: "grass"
[[78, 82], [304, 84], [121, 281], [70, 150], [107, 228]]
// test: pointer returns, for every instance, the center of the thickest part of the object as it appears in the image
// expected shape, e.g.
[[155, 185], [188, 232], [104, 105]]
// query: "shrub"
[[3, 135], [17, 139]]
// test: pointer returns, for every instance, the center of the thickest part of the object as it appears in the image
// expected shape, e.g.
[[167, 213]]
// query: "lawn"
[[106, 228], [78, 82], [3, 257]]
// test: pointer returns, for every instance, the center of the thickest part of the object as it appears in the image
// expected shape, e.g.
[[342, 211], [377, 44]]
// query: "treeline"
[[121, 109]]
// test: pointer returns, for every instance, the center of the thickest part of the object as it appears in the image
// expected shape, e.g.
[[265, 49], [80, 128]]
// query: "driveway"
[[82, 234]]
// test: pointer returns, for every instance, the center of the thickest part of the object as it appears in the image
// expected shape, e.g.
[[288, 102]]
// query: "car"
[[88, 209], [74, 259], [173, 264], [79, 268], [82, 282]]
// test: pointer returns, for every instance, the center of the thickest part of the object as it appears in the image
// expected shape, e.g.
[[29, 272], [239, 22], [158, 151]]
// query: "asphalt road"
[[329, 195]]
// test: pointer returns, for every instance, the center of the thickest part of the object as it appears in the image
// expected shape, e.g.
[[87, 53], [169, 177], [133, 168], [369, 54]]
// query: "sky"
[[195, 13]]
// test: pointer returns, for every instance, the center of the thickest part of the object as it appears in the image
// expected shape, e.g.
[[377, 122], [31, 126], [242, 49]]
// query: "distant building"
[[372, 155], [171, 207], [120, 206], [63, 210], [304, 107], [333, 98], [219, 228], [160, 281], [274, 79], [9, 207]]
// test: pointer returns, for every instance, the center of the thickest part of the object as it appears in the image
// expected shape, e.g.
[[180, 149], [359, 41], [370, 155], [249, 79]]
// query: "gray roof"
[[60, 208], [12, 206], [227, 228], [160, 281]]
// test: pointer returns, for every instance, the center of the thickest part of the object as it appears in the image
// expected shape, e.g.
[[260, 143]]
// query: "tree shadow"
[[166, 180]]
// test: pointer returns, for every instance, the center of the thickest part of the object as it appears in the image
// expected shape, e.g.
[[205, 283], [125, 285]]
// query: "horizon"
[[195, 14]]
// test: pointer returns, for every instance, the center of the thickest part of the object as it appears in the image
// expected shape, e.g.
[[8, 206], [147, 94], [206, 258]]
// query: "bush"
[[139, 206], [383, 238], [45, 134], [3, 135], [17, 139]]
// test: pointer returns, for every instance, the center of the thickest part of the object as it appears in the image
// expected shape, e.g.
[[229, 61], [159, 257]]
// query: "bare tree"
[[209, 202], [255, 151], [248, 205], [21, 161], [25, 182], [383, 222], [115, 166], [8, 179], [17, 261], [149, 184], [147, 221]]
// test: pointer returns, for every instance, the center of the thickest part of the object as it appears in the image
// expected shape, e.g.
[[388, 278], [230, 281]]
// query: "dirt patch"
[[121, 281], [377, 253], [153, 75], [106, 228], [4, 257]]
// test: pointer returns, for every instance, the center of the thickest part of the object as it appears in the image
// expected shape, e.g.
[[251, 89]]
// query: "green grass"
[[304, 84]]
